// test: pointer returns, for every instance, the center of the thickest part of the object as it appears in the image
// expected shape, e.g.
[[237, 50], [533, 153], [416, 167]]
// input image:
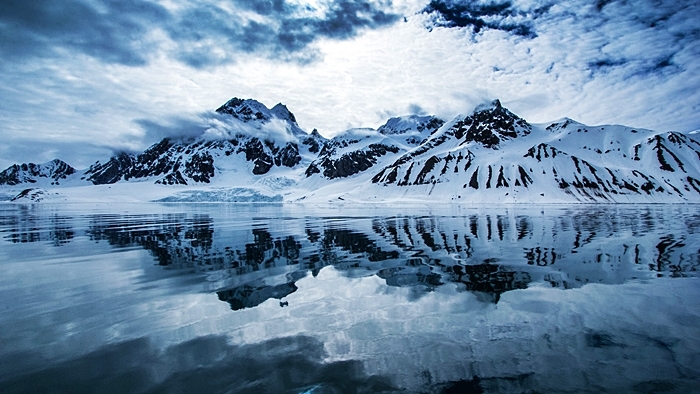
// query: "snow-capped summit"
[[493, 104], [281, 111], [410, 123], [413, 129], [254, 112], [245, 109], [489, 125]]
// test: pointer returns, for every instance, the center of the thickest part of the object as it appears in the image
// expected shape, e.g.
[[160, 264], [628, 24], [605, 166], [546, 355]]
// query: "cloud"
[[224, 127], [176, 128], [198, 33], [214, 126], [115, 32], [480, 15], [641, 37], [416, 109], [596, 60], [212, 35], [632, 63], [38, 152]]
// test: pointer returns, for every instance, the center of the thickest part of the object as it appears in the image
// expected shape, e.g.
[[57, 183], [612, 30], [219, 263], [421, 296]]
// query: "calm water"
[[290, 299]]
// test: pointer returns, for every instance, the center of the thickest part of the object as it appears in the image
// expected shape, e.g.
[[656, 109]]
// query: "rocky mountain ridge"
[[52, 172], [488, 155]]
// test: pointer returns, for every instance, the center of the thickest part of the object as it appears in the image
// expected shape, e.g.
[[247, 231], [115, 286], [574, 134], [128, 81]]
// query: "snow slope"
[[493, 155]]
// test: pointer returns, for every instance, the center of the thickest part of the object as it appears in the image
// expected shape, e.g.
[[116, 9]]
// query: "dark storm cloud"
[[113, 33], [496, 15], [118, 31], [603, 65], [285, 33]]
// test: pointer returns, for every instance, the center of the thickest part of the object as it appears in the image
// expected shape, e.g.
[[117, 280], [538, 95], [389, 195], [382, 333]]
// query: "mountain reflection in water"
[[468, 300], [480, 252]]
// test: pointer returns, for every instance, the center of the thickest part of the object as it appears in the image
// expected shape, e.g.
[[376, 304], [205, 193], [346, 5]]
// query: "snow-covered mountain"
[[249, 152], [249, 138], [352, 152], [51, 173], [493, 155], [357, 150]]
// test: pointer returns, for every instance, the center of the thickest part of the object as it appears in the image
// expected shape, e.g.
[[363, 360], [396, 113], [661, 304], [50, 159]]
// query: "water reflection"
[[25, 227], [229, 300], [202, 365], [487, 253]]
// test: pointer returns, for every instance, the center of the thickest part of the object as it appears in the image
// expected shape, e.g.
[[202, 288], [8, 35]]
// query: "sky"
[[83, 79]]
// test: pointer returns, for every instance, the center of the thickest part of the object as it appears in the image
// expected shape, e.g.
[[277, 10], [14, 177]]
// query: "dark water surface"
[[292, 299]]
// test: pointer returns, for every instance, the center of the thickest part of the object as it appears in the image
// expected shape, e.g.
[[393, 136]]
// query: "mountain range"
[[490, 155]]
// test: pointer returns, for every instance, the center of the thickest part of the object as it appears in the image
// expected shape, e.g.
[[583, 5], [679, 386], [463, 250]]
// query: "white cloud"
[[225, 127], [630, 63]]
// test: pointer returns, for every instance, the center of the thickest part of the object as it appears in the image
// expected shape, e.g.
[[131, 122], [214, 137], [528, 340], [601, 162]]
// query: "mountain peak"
[[245, 110], [53, 171], [410, 124], [281, 111], [495, 104], [489, 125]]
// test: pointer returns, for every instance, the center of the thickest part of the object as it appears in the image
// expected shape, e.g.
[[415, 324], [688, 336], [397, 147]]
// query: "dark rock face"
[[349, 163], [589, 182], [174, 178], [200, 167], [255, 152], [314, 141], [288, 156], [422, 172], [230, 106], [432, 125], [31, 194], [665, 144], [265, 155], [490, 126], [110, 172], [182, 162], [55, 170]]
